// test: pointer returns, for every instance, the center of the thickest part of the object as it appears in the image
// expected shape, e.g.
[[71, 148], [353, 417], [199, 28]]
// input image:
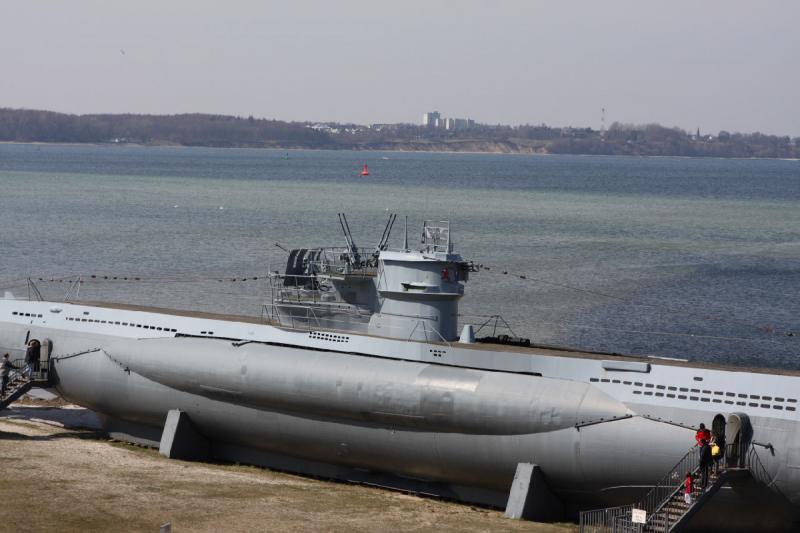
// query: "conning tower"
[[401, 293], [418, 291]]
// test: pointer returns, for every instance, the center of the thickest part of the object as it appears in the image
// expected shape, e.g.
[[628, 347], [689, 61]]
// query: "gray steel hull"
[[592, 465], [301, 409]]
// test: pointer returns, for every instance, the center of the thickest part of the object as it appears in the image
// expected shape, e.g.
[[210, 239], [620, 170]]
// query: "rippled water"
[[695, 258]]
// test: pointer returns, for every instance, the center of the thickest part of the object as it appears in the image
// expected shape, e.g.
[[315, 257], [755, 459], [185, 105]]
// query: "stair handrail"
[[757, 468], [19, 367], [598, 520], [737, 456], [669, 483], [651, 503], [16, 381], [746, 458], [759, 471], [39, 375]]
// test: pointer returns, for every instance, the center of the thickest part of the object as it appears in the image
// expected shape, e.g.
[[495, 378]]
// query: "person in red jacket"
[[702, 435], [688, 488]]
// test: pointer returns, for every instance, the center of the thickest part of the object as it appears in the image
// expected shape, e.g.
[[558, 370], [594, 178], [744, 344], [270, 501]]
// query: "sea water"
[[677, 257]]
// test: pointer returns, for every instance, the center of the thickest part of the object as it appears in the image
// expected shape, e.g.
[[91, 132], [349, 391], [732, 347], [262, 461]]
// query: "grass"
[[73, 481]]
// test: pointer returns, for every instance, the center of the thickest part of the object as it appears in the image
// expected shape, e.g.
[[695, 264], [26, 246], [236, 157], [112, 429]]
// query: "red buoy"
[[365, 170]]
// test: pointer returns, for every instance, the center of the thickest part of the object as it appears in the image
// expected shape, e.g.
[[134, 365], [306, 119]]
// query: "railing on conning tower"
[[436, 236], [337, 261], [307, 295]]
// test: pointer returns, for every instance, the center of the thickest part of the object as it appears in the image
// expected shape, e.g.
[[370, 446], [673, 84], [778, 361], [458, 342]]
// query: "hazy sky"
[[711, 64]]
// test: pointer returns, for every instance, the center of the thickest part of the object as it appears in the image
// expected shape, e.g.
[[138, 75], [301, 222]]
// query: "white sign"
[[638, 516]]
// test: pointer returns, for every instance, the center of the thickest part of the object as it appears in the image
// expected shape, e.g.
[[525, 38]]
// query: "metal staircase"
[[675, 512], [19, 383], [664, 506]]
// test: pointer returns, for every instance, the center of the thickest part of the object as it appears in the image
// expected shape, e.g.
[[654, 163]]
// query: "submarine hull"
[[416, 425], [590, 466]]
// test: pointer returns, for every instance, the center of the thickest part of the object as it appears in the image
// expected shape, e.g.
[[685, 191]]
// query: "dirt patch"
[[61, 479], [41, 402]]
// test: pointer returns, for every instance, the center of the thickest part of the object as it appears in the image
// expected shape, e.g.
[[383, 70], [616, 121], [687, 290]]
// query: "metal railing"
[[38, 371], [603, 520], [308, 320], [652, 502], [667, 486], [658, 502], [309, 316], [21, 374], [757, 469], [314, 289]]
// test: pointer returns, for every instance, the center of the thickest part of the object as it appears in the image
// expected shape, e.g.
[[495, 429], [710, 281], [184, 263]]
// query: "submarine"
[[357, 369]]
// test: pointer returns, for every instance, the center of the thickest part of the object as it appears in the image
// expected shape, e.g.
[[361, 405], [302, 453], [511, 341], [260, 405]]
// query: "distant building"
[[459, 124], [578, 133], [431, 119], [384, 127], [434, 119]]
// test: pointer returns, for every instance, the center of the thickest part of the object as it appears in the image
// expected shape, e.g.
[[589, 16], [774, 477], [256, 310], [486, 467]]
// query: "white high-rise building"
[[434, 119], [431, 119]]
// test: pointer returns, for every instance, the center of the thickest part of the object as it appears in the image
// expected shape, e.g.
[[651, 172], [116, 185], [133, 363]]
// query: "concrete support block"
[[530, 497], [180, 439]]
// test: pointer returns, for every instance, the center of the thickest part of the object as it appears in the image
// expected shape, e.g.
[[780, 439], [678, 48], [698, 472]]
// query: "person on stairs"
[[702, 434], [32, 358], [688, 488], [719, 442], [706, 460], [5, 368]]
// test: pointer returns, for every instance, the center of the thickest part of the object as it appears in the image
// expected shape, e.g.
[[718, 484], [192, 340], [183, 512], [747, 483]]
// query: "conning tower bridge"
[[405, 293]]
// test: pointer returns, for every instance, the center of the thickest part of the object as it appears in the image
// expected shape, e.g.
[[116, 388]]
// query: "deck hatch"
[[625, 366]]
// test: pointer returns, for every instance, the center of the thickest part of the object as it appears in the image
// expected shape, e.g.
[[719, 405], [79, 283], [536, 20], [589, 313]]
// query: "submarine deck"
[[533, 348]]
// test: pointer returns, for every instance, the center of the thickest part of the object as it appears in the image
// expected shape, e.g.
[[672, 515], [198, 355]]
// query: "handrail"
[[759, 471], [497, 319], [21, 378], [271, 312], [661, 513], [656, 498], [599, 520], [32, 375], [737, 456], [688, 463], [75, 354]]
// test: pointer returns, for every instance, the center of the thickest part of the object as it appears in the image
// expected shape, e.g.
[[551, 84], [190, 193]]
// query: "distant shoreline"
[[224, 131], [381, 150]]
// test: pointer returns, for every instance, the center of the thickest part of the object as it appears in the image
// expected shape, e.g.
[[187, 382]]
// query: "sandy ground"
[[58, 472]]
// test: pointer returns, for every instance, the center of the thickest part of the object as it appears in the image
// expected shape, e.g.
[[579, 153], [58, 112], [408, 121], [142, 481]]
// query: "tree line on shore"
[[23, 125]]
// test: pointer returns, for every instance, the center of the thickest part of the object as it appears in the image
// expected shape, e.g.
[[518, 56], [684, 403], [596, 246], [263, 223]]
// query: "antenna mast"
[[387, 230], [603, 123], [348, 236]]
